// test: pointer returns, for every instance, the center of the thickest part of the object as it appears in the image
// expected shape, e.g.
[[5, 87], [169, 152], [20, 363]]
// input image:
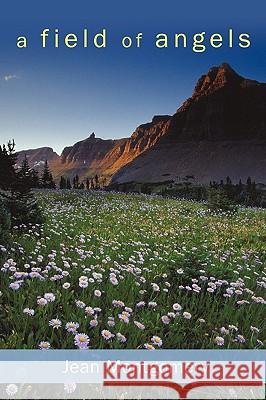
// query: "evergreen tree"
[[218, 200], [24, 168], [52, 182], [31, 174], [5, 224], [35, 181], [16, 193], [253, 198], [76, 182], [22, 204], [68, 184], [7, 165], [47, 181], [228, 181], [87, 184], [229, 189], [96, 182], [104, 182], [63, 183]]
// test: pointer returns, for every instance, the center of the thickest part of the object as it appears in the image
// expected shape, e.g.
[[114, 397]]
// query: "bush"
[[218, 200], [4, 224], [24, 210]]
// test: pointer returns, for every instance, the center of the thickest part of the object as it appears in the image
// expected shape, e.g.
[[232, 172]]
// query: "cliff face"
[[219, 131], [144, 137], [88, 157]]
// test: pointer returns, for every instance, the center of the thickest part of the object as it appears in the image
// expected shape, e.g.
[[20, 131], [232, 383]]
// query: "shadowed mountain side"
[[204, 160]]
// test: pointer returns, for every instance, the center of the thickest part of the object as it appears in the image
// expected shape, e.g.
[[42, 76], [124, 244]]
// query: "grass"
[[151, 254]]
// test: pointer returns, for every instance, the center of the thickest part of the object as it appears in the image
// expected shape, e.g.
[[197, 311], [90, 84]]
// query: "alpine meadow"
[[131, 271]]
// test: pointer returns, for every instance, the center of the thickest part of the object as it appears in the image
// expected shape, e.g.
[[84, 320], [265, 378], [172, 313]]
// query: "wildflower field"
[[134, 272]]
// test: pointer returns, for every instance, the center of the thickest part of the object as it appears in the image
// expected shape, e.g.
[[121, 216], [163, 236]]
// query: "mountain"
[[219, 131], [88, 157], [37, 157], [104, 157]]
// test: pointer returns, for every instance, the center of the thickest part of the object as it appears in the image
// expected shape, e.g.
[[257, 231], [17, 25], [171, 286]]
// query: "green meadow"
[[120, 271]]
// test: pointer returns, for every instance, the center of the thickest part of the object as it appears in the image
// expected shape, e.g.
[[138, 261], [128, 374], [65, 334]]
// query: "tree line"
[[46, 181], [10, 172], [18, 205], [93, 183], [224, 192]]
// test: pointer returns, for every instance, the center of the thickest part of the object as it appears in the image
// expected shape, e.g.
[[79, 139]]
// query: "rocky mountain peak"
[[92, 135], [160, 118], [216, 78]]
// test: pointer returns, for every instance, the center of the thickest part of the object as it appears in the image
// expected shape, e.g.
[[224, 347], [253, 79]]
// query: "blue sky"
[[55, 97]]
